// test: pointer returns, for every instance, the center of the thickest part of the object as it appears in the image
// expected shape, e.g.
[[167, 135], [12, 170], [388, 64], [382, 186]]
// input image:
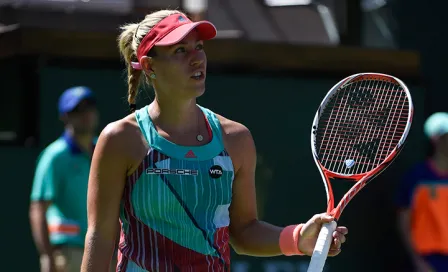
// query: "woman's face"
[[180, 69]]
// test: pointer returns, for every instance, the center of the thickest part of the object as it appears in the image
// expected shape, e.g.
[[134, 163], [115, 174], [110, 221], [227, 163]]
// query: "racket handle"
[[322, 247]]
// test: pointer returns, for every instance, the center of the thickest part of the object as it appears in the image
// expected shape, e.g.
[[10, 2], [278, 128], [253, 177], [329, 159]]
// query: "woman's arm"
[[106, 183], [250, 236]]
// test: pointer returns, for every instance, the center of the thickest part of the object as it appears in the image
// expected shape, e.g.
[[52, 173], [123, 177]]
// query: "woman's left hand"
[[310, 232]]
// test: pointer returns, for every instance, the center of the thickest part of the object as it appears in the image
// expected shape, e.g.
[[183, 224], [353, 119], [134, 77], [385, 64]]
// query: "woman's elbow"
[[238, 246], [100, 236], [240, 237]]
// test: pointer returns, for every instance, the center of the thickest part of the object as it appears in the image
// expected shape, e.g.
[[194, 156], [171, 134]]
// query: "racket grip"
[[322, 247]]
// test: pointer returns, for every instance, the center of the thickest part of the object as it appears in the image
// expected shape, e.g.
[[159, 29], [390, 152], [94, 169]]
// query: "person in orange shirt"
[[423, 202]]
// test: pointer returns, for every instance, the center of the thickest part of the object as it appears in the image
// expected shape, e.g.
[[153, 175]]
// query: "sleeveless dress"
[[174, 212]]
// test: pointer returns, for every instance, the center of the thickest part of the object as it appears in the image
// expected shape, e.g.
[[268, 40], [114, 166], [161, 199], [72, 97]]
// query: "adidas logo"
[[190, 154]]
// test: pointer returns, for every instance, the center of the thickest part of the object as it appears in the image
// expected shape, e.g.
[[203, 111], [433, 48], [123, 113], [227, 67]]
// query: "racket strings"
[[360, 125], [397, 127], [377, 114], [369, 142], [341, 125], [357, 100], [338, 126], [331, 133], [362, 144]]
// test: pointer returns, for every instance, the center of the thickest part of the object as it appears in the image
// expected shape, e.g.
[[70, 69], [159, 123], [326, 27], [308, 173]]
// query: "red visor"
[[172, 30]]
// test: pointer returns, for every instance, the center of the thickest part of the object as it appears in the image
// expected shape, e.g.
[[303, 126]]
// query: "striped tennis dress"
[[174, 212]]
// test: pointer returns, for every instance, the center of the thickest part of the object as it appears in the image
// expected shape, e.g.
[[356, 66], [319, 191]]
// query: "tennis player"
[[179, 177]]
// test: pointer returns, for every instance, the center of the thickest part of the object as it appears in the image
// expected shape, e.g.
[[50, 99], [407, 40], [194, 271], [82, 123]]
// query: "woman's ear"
[[146, 63]]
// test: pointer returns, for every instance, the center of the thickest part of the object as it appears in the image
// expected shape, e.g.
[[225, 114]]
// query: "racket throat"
[[330, 208], [330, 196]]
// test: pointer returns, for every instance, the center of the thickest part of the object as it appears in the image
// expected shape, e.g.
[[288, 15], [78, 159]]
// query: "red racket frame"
[[364, 178]]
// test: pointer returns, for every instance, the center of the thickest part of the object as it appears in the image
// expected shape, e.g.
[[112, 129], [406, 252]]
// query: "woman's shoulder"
[[237, 140], [121, 128], [233, 128], [121, 134], [230, 128]]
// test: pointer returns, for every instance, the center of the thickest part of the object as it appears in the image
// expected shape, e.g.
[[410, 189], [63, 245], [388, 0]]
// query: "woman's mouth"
[[198, 75]]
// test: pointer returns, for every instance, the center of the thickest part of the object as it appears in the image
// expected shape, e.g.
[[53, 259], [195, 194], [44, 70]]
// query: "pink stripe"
[[126, 246], [131, 243]]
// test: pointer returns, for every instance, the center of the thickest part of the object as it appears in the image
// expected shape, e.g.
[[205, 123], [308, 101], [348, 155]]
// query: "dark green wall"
[[279, 112]]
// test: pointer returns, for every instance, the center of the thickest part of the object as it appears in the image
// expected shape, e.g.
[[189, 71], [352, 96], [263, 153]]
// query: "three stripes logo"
[[190, 154]]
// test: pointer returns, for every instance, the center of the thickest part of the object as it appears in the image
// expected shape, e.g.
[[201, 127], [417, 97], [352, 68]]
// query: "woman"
[[179, 177]]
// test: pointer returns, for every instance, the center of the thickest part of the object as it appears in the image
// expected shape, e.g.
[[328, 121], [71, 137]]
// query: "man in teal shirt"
[[58, 210]]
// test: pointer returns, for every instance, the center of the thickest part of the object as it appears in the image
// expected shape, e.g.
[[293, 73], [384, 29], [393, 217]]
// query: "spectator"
[[58, 210], [423, 202]]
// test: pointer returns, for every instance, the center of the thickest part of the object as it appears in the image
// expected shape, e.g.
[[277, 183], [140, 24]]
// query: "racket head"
[[360, 127]]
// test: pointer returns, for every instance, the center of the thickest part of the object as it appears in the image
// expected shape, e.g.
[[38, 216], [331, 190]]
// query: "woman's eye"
[[199, 47], [180, 50]]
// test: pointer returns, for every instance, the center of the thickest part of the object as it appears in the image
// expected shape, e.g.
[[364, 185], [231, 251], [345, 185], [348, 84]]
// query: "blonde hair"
[[128, 42]]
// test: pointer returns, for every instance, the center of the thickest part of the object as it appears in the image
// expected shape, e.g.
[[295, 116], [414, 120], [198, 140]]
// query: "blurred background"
[[271, 58]]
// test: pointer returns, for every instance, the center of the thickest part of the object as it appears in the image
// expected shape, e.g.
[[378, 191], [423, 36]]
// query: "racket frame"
[[324, 239], [364, 178]]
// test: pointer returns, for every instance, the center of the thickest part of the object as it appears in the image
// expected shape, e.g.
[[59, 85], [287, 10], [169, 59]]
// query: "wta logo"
[[215, 171], [178, 172]]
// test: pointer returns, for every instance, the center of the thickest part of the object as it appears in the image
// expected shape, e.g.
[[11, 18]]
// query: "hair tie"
[[132, 107]]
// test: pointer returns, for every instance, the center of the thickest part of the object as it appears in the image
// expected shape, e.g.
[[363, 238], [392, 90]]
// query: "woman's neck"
[[174, 116]]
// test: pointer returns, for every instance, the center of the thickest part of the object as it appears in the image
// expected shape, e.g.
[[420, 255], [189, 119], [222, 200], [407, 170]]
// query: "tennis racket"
[[358, 130]]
